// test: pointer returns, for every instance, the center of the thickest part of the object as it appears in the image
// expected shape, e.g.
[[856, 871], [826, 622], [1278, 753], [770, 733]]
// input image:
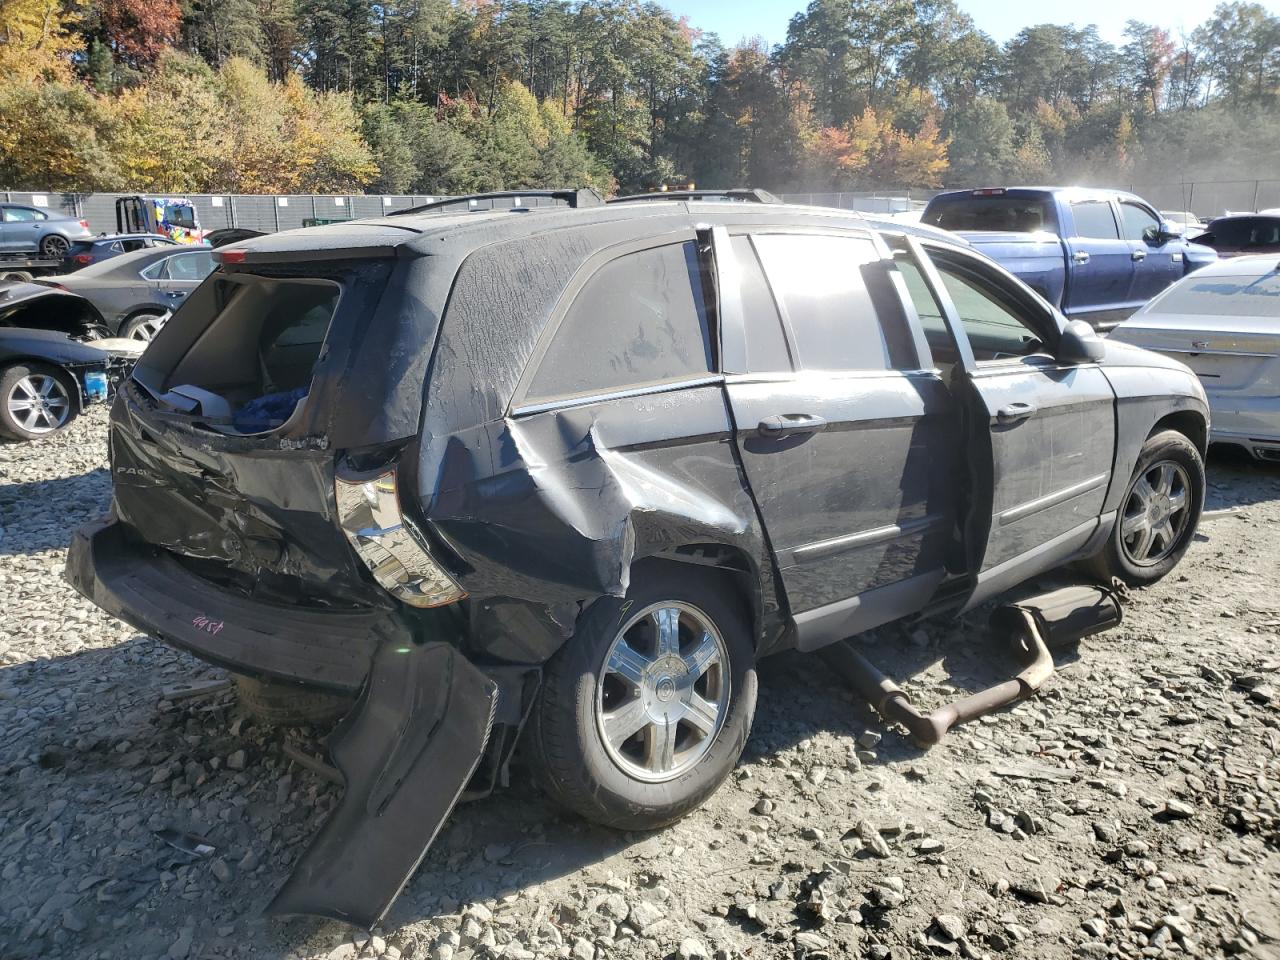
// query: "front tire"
[[643, 713], [1158, 513], [36, 401]]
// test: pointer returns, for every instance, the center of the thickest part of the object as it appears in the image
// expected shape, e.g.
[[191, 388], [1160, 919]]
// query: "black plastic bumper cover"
[[150, 590], [406, 752]]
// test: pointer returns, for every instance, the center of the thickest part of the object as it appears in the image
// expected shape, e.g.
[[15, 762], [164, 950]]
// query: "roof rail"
[[747, 195], [472, 201]]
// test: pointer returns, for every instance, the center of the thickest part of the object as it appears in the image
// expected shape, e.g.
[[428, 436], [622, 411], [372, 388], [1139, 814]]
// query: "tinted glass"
[[132, 245], [1224, 297], [766, 345], [1015, 214], [1245, 232], [927, 309], [994, 331], [1138, 222], [1094, 219], [639, 319], [20, 215], [820, 285], [190, 266]]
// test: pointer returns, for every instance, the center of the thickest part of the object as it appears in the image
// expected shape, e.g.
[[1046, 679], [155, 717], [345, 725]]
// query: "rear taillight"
[[369, 513], [85, 224], [81, 258]]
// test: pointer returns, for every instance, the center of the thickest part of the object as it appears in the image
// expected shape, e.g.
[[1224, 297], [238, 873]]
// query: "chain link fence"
[[1205, 198]]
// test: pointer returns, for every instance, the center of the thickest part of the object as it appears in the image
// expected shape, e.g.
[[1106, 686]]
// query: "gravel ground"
[[1132, 809]]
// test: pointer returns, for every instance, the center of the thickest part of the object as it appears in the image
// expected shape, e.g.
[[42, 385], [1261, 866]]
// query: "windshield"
[[1225, 297], [180, 215], [999, 213]]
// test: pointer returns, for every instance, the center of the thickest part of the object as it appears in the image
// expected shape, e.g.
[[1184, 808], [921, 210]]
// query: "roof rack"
[[473, 201], [742, 194]]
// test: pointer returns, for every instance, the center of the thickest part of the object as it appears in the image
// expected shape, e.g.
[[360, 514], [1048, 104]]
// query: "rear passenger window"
[[639, 319], [818, 281], [766, 345], [1095, 220]]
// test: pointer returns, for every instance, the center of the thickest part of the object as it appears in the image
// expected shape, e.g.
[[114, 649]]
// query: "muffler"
[[1030, 625]]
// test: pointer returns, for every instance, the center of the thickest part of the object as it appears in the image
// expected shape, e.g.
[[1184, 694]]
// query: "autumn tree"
[[37, 39]]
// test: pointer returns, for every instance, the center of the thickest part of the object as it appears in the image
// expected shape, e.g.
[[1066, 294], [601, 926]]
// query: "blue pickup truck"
[[1098, 255]]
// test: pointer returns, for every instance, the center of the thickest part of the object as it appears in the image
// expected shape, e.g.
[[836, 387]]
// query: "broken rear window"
[[262, 337]]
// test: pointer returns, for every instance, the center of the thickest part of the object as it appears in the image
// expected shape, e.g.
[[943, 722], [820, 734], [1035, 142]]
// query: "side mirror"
[[1080, 343], [1169, 230]]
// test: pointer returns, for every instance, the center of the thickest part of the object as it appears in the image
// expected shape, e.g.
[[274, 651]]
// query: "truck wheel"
[[54, 246], [35, 401], [643, 713], [1158, 513], [284, 705]]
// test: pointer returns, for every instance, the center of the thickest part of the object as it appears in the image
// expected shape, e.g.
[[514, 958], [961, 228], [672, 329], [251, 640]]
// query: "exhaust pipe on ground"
[[1032, 624]]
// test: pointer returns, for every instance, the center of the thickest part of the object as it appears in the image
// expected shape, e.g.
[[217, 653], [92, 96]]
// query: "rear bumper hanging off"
[[405, 753]]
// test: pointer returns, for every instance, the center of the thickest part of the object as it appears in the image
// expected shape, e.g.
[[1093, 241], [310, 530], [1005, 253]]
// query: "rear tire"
[[54, 246], [1158, 513], [285, 705], [36, 401], [141, 326], [684, 634]]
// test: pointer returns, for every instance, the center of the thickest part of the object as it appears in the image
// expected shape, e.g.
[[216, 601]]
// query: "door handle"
[[786, 424], [1138, 255], [175, 294], [1080, 256], [1013, 412]]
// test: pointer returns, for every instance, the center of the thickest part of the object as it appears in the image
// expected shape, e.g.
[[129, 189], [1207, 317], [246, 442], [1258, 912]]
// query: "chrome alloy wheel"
[[1156, 513], [147, 326], [39, 403], [664, 691]]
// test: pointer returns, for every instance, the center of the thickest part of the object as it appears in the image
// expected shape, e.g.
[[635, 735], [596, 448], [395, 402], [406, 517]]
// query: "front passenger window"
[[995, 332]]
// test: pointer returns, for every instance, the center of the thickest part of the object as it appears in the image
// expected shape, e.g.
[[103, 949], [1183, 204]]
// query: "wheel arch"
[[1189, 423], [734, 567]]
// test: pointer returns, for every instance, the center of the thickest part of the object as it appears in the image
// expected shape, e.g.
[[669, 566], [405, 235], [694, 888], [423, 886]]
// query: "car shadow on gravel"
[[95, 724], [1238, 480], [39, 515]]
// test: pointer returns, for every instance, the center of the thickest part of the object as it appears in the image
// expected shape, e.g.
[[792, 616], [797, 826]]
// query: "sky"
[[735, 20]]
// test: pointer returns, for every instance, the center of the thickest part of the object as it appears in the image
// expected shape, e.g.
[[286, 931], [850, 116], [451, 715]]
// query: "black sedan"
[[1243, 233], [97, 249], [132, 292], [46, 379]]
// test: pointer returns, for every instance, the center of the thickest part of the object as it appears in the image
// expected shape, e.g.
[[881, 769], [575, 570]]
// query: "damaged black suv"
[[565, 472]]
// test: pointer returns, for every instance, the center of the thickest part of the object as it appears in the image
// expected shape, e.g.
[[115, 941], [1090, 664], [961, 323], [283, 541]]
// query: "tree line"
[[453, 96]]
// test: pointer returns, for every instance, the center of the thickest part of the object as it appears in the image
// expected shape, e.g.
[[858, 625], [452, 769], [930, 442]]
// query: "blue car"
[[1098, 255]]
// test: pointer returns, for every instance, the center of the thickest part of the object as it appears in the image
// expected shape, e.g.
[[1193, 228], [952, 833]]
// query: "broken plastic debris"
[[188, 843]]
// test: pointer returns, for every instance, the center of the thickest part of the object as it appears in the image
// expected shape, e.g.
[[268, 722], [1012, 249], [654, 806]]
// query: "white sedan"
[[1223, 321]]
